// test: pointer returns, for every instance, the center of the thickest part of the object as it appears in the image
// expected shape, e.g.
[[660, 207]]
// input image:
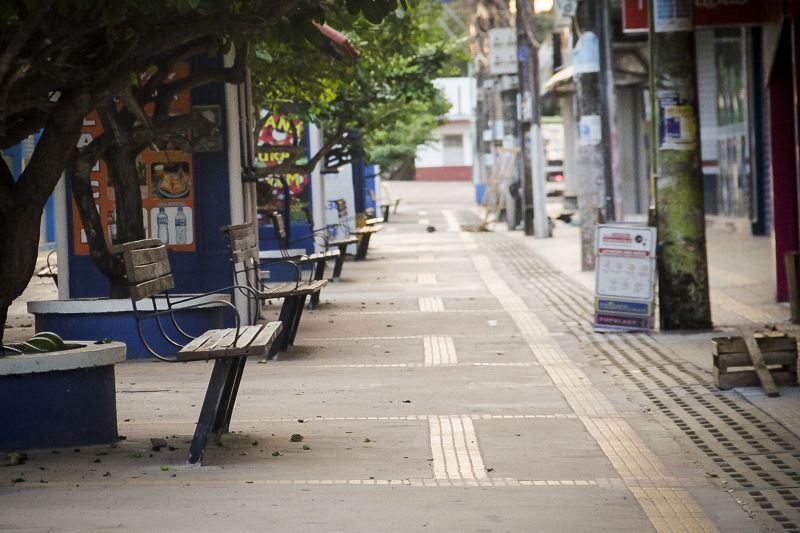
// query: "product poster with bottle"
[[166, 185]]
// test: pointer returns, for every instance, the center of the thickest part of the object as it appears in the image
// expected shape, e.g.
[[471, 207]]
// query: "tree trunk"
[[125, 178], [20, 219], [406, 171], [682, 266], [19, 249], [591, 157]]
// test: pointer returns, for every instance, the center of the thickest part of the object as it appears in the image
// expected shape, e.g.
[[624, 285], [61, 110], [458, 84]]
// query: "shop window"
[[453, 150]]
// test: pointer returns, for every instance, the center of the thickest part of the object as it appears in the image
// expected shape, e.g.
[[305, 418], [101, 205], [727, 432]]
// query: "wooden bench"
[[317, 260], [362, 234], [387, 203], [246, 261], [149, 275], [50, 270]]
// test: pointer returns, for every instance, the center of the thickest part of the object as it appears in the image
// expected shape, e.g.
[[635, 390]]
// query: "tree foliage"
[[59, 59], [386, 93]]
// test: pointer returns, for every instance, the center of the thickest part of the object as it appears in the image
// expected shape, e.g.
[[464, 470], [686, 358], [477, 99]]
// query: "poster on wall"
[[625, 279], [282, 138], [677, 129], [166, 185]]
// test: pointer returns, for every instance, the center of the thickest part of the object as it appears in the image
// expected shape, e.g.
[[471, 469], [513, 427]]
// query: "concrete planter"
[[103, 318], [58, 399]]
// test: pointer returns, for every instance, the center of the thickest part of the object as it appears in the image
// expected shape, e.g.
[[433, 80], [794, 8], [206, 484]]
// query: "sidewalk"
[[452, 382]]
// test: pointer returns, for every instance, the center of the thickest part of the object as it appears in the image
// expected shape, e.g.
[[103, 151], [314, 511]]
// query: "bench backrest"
[[146, 267], [341, 207], [244, 243], [280, 227]]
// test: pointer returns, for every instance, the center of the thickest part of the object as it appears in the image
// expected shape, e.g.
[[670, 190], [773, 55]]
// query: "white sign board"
[[340, 186], [626, 274], [502, 51]]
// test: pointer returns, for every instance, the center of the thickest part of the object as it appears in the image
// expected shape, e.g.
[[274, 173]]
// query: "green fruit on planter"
[[57, 340]]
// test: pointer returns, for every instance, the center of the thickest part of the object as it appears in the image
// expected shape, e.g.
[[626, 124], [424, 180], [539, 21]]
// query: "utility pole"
[[676, 167], [594, 147], [534, 194]]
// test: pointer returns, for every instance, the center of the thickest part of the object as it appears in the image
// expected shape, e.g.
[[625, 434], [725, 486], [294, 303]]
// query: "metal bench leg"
[[301, 302], [211, 407], [223, 422], [385, 212], [337, 267], [363, 244], [319, 274], [287, 315]]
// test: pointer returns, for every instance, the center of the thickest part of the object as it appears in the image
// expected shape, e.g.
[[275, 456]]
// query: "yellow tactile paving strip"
[[454, 448], [427, 278], [431, 304], [668, 509]]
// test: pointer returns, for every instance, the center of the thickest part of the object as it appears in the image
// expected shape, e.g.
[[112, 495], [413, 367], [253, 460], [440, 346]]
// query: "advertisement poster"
[[282, 138], [625, 281], [166, 184], [678, 125], [591, 131], [672, 15]]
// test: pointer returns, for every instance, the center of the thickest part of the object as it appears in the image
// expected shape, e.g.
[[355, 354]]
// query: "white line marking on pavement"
[[424, 221]]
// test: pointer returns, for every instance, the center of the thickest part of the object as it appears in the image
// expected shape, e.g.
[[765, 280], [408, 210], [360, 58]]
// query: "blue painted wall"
[[14, 157]]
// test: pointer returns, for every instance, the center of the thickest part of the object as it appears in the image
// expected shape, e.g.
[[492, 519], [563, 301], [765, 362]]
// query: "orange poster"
[[166, 183]]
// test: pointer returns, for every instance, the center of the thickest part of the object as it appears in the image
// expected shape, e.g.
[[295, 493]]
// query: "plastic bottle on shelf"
[[180, 227], [112, 225], [162, 220]]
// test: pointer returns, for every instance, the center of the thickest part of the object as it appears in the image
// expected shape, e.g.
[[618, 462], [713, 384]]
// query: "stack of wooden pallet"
[[767, 359]]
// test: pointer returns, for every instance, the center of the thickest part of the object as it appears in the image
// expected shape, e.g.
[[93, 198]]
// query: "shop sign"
[[625, 280], [708, 13]]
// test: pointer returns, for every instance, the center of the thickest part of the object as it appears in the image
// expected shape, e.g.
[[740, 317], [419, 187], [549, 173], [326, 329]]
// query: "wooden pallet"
[[737, 366]]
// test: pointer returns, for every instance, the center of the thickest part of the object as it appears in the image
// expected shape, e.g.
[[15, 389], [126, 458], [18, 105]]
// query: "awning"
[[628, 71], [560, 83], [338, 40]]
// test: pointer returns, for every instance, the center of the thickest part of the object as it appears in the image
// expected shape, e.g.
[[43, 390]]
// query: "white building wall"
[[460, 92]]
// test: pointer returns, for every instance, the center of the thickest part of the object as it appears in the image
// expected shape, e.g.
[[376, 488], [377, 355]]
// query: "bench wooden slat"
[[142, 273], [245, 338], [238, 231], [134, 245], [262, 342], [368, 229], [245, 256], [145, 256], [291, 289], [244, 243], [214, 344], [152, 287], [279, 225], [347, 240], [204, 342]]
